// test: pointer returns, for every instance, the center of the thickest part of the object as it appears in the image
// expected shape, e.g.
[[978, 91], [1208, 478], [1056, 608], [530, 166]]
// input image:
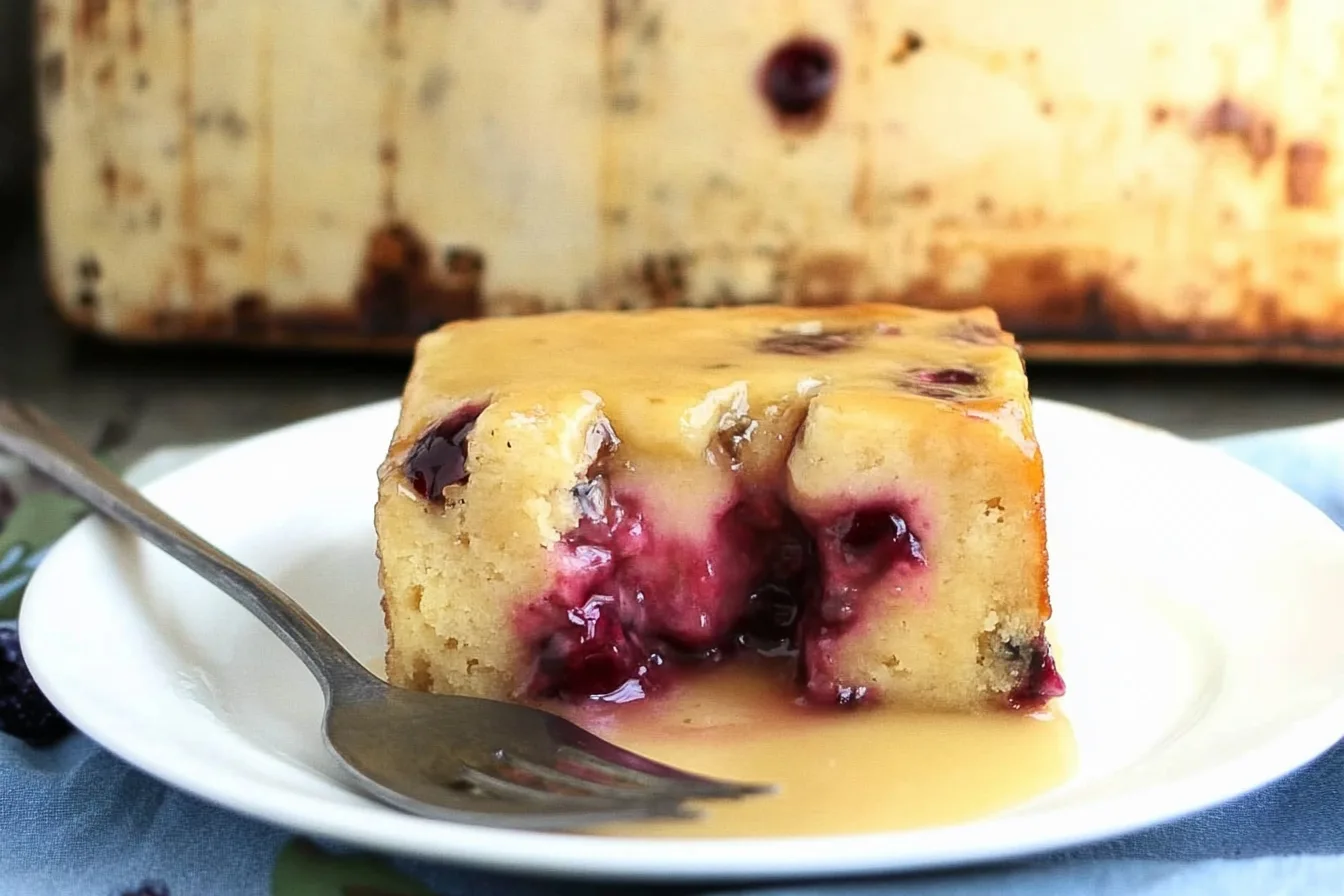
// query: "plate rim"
[[665, 859]]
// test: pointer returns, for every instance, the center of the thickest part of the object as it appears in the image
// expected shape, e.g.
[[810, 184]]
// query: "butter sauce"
[[837, 772]]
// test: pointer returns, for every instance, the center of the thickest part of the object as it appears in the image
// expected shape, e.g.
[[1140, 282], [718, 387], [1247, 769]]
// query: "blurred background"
[[251, 209]]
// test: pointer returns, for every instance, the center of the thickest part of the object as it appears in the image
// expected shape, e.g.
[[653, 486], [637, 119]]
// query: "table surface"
[[134, 399]]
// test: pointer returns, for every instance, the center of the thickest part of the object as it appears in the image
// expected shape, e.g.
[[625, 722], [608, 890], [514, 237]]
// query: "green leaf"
[[43, 515], [17, 562], [302, 868], [40, 518]]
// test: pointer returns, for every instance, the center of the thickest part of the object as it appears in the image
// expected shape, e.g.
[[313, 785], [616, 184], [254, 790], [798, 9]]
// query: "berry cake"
[[584, 505]]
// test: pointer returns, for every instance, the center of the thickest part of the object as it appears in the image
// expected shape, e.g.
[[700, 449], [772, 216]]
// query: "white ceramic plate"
[[1197, 610]]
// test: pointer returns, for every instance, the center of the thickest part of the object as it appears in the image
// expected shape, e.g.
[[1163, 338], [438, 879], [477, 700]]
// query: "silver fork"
[[457, 758]]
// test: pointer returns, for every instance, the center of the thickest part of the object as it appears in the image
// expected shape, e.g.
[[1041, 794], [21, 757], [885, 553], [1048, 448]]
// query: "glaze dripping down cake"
[[583, 505]]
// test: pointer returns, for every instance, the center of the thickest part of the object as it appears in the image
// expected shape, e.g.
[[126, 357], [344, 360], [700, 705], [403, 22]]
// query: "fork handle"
[[32, 437]]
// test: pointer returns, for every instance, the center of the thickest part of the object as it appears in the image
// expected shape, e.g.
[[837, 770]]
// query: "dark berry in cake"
[[950, 376], [820, 343], [787, 584], [945, 383], [439, 458], [799, 76], [25, 712], [595, 656], [870, 541], [1042, 681]]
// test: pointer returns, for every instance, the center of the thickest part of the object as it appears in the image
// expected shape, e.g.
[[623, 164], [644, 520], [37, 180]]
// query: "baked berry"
[[949, 376], [799, 76], [877, 538], [946, 383], [770, 620], [594, 657], [774, 610], [439, 458], [1042, 681], [819, 343]]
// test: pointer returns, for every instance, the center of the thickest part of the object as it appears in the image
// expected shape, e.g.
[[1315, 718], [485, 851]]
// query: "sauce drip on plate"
[[837, 772]]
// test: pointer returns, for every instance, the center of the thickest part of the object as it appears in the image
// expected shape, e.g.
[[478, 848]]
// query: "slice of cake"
[[581, 505]]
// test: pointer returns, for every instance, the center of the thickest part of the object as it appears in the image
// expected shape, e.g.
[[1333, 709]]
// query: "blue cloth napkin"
[[79, 822]]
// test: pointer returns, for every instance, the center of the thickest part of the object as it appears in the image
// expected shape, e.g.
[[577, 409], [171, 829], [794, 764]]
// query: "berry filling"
[[439, 458], [626, 596], [596, 656], [630, 602], [1042, 681], [785, 585]]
